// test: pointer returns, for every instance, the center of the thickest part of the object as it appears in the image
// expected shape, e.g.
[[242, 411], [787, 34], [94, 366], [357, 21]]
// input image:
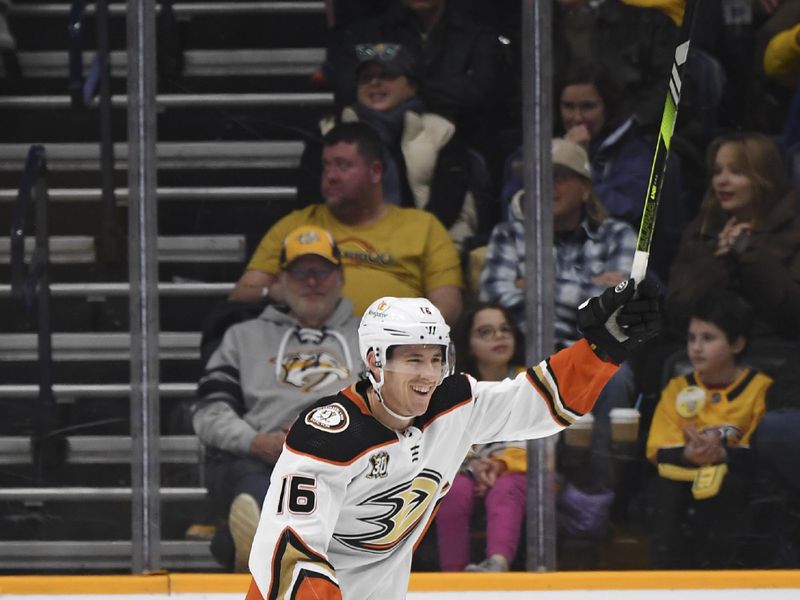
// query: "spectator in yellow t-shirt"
[[782, 57], [387, 250]]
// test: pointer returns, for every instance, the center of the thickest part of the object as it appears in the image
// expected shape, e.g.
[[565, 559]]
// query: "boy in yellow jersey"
[[700, 436]]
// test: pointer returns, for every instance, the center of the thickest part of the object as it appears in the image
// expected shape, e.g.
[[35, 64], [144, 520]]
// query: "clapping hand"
[[703, 448], [486, 471], [732, 235]]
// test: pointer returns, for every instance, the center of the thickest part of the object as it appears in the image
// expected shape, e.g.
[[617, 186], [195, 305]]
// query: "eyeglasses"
[[372, 51], [319, 273], [487, 331]]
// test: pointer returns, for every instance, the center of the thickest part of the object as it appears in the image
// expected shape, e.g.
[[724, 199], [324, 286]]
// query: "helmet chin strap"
[[377, 385]]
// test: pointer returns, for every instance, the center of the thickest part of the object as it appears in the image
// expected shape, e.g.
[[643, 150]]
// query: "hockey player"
[[362, 472]]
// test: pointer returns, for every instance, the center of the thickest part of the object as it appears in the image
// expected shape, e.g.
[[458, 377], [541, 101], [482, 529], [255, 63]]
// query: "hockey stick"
[[668, 118]]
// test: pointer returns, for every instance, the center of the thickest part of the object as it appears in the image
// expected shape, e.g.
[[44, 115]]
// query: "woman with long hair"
[[745, 239]]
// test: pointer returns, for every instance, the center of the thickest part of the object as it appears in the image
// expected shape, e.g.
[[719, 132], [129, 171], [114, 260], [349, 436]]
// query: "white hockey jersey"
[[349, 498]]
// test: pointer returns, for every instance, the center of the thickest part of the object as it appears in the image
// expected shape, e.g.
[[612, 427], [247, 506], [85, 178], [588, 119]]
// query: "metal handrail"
[[183, 9], [75, 35], [33, 285]]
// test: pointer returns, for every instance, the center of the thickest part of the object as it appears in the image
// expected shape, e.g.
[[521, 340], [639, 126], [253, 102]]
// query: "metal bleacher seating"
[[230, 134]]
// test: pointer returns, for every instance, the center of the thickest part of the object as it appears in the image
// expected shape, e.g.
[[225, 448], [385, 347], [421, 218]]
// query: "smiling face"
[[710, 351], [381, 90], [731, 185], [491, 339], [412, 374], [581, 104], [312, 287]]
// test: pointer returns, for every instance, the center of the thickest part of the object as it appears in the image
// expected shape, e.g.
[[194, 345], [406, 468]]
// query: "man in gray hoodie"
[[265, 371]]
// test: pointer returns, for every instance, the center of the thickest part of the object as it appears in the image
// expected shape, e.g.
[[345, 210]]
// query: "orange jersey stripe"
[[317, 588], [341, 463], [253, 592], [578, 377], [356, 399]]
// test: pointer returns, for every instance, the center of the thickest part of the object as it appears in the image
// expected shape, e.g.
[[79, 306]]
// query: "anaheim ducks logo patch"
[[332, 418], [397, 513]]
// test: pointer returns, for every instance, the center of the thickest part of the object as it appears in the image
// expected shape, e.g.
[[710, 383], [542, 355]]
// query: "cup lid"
[[624, 412]]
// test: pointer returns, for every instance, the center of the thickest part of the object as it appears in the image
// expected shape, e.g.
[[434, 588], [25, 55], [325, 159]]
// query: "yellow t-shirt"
[[735, 410], [782, 57], [405, 254], [674, 9]]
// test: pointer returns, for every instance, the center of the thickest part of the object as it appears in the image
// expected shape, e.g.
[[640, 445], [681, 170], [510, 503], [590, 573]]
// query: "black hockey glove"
[[621, 318]]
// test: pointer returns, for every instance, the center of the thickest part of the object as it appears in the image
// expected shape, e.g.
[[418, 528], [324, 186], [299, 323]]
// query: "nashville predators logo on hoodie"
[[397, 513], [311, 371]]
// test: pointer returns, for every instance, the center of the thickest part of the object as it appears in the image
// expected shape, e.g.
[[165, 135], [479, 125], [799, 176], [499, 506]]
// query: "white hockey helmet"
[[402, 321]]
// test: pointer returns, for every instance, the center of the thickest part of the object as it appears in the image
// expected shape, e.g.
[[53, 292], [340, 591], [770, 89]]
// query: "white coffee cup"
[[579, 434], [624, 424]]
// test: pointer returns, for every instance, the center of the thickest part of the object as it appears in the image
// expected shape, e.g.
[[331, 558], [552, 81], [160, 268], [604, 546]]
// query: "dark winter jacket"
[[458, 62], [766, 272]]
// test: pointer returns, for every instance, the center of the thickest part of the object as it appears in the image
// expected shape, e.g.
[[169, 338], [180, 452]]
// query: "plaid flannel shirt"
[[581, 255]]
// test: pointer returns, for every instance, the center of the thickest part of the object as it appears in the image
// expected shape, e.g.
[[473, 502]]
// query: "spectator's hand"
[[486, 471], [617, 321], [704, 448], [732, 236], [580, 135], [267, 446], [520, 283], [767, 6], [276, 292], [609, 278]]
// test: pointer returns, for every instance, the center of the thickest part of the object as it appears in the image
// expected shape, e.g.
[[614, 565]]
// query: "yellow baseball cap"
[[309, 239]]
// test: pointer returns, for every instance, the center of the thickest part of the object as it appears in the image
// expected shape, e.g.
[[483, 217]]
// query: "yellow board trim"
[[85, 584], [183, 583], [604, 580]]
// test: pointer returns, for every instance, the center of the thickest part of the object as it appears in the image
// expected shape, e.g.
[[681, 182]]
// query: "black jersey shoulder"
[[454, 391], [338, 429]]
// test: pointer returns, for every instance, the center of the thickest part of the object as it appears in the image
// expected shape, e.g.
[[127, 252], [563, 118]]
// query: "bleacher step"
[[99, 346], [192, 194], [63, 391], [97, 494], [22, 556], [102, 290], [179, 8], [105, 449], [169, 155], [76, 249], [198, 63], [244, 100]]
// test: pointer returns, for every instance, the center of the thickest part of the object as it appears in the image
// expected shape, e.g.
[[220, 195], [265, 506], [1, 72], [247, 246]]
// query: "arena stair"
[[231, 126]]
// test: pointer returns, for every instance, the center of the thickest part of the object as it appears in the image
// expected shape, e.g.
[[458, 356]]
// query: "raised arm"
[[556, 392]]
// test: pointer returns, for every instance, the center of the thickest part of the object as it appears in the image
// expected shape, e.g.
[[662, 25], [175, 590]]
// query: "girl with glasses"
[[489, 346]]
